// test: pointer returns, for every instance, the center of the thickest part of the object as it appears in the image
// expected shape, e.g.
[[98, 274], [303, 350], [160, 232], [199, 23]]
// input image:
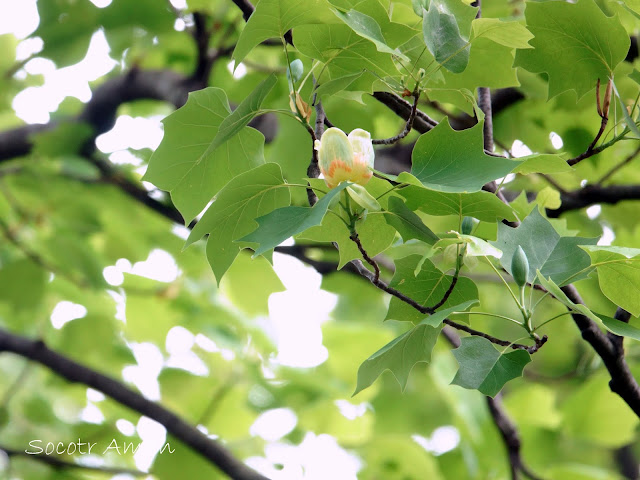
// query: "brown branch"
[[355, 239], [422, 122], [74, 372], [610, 350], [407, 126], [57, 463], [593, 194], [484, 102]]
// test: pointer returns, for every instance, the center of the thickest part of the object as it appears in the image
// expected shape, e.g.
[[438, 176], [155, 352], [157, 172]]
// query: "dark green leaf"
[[486, 369], [557, 257], [427, 288], [407, 223], [275, 227]]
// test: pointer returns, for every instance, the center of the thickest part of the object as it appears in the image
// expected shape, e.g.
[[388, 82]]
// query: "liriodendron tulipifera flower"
[[345, 158]]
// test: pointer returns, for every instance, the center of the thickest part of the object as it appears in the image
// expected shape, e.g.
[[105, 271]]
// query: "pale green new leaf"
[[509, 34], [183, 163], [618, 275], [275, 227], [232, 214], [580, 35], [274, 18], [486, 369]]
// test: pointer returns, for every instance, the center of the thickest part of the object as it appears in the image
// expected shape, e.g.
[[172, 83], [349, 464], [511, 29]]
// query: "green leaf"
[[631, 125], [481, 205], [407, 223], [249, 283], [618, 275], [23, 284], [402, 353], [555, 290], [399, 356], [450, 161], [374, 232], [368, 28], [557, 257], [344, 53], [635, 76], [620, 328], [363, 198], [241, 116], [427, 288], [476, 247], [486, 369], [445, 27], [274, 18], [542, 163], [232, 214], [183, 164], [275, 227], [580, 35], [509, 34]]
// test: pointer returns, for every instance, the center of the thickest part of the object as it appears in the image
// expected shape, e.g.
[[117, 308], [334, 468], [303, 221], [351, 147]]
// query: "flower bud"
[[467, 225], [343, 158], [520, 267]]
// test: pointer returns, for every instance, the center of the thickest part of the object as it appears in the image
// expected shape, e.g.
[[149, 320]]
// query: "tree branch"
[[57, 463], [592, 194], [610, 350], [407, 127], [74, 372]]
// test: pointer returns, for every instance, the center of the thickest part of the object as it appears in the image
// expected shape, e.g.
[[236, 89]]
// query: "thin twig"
[[354, 237], [407, 126], [617, 167]]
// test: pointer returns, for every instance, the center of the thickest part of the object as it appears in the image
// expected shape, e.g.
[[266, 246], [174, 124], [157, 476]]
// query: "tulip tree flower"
[[345, 158]]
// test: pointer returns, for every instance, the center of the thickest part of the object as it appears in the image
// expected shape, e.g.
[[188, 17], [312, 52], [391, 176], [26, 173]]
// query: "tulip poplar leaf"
[[446, 160], [486, 369], [427, 288], [407, 223], [274, 18], [232, 214], [368, 28], [184, 163], [404, 352], [481, 205], [446, 28], [560, 258], [618, 275], [277, 226], [577, 34]]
